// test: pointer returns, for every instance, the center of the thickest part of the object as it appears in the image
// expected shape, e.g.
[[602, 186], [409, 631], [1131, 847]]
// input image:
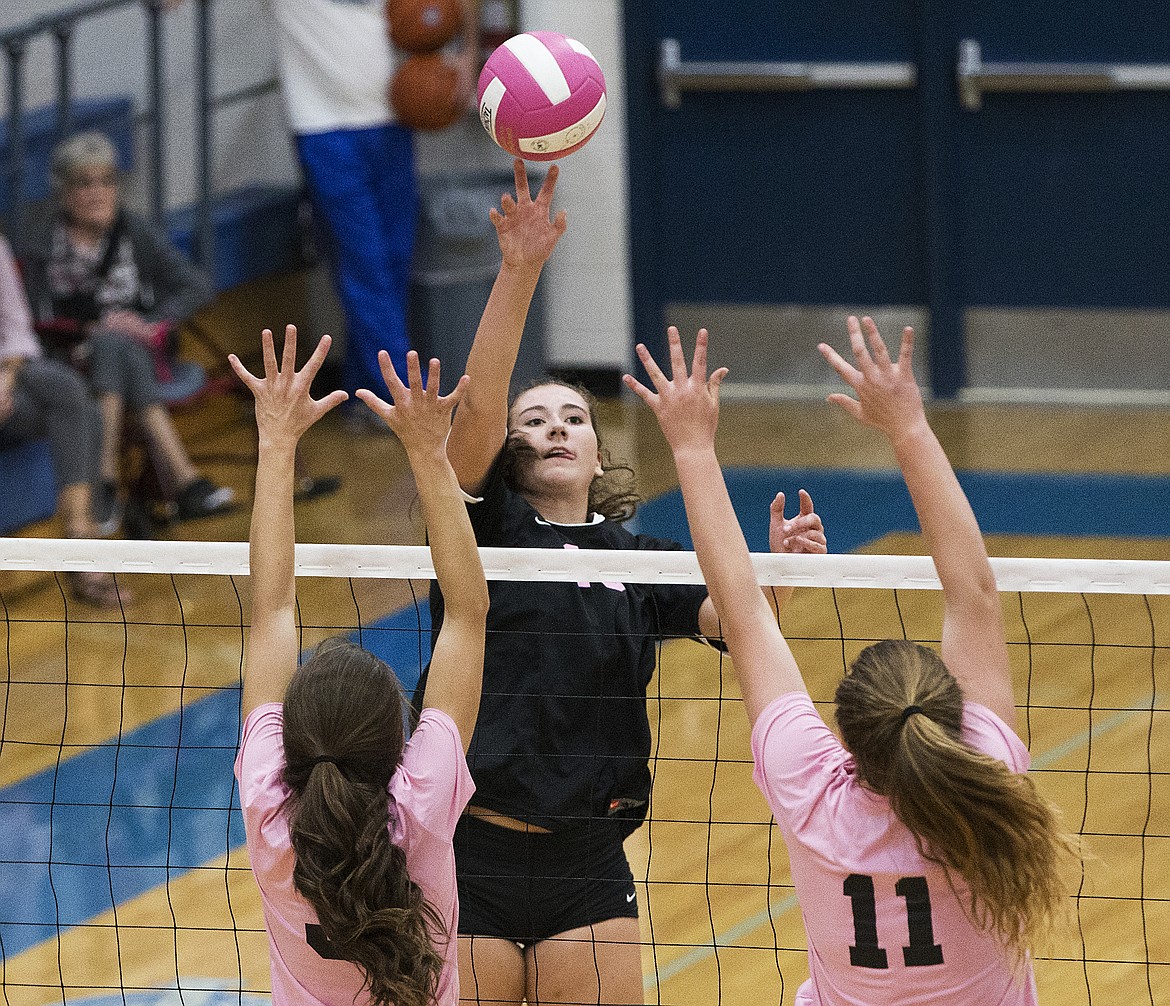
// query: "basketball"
[[423, 25], [541, 95], [425, 93]]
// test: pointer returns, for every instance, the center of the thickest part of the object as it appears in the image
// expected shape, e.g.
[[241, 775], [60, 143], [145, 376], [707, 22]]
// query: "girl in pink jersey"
[[926, 862], [349, 829]]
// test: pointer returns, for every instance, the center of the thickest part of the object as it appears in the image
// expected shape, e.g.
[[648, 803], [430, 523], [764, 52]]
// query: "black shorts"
[[528, 886]]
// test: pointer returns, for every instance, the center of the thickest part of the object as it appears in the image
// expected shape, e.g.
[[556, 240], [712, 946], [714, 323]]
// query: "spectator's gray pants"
[[52, 400], [121, 365]]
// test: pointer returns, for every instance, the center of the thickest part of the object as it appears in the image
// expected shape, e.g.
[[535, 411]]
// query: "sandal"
[[98, 589]]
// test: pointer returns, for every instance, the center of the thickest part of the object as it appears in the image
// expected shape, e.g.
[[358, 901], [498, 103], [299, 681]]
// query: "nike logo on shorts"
[[631, 896]]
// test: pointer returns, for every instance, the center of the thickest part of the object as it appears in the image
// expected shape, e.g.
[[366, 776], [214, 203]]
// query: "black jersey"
[[563, 735]]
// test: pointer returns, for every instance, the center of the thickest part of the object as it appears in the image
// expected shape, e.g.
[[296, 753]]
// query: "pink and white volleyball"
[[541, 95]]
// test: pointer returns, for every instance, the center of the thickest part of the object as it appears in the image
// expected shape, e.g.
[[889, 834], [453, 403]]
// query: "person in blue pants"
[[336, 65]]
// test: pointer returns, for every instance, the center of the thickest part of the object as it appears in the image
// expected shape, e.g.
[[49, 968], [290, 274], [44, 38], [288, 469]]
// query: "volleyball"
[[541, 95], [423, 25], [425, 93]]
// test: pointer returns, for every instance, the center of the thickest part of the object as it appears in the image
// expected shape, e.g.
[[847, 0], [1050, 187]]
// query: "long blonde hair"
[[968, 811]]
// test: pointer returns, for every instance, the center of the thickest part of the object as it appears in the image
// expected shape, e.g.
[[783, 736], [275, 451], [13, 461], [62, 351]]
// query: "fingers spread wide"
[[652, 368], [269, 350], [289, 361]]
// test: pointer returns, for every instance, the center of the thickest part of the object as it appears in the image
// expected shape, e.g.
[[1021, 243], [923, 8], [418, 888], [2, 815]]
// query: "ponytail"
[[355, 878], [967, 810], [343, 739]]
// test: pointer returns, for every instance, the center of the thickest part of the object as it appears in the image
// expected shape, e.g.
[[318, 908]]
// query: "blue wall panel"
[[900, 197]]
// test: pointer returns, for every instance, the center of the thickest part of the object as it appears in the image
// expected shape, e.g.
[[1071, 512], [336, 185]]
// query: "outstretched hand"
[[526, 233], [421, 417], [686, 404], [888, 398], [802, 534], [284, 407]]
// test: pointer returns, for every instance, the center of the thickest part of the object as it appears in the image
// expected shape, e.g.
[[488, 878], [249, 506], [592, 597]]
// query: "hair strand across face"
[[613, 493]]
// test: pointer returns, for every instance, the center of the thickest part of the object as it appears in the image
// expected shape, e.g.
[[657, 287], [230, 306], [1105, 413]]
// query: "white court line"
[[784, 905], [700, 954], [1054, 755]]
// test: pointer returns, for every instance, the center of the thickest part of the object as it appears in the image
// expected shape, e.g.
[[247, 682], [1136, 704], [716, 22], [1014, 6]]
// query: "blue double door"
[[1025, 229]]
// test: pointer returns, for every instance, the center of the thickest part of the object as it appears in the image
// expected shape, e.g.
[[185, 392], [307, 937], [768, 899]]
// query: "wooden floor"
[[719, 917]]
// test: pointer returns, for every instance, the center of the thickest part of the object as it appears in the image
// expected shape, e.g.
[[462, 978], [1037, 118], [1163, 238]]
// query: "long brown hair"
[[344, 704], [613, 493], [968, 811]]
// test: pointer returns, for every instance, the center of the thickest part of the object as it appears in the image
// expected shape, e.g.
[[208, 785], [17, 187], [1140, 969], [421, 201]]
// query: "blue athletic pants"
[[362, 183]]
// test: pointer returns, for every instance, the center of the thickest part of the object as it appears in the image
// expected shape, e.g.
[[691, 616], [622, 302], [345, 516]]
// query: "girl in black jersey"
[[548, 911]]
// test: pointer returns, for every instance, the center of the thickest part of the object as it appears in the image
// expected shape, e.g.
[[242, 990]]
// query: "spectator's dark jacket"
[[173, 288]]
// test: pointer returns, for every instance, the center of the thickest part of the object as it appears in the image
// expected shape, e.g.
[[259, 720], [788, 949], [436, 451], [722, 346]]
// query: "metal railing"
[[61, 27]]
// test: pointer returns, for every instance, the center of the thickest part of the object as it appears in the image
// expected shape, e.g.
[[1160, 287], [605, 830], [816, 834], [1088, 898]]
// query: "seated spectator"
[[117, 283], [45, 398]]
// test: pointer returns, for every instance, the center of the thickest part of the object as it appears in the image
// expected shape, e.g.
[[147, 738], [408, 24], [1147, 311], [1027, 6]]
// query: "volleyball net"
[[123, 874]]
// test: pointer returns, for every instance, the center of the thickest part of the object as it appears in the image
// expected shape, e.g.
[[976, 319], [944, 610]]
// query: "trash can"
[[456, 258]]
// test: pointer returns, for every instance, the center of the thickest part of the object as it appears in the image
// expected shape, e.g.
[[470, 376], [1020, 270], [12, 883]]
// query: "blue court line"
[[726, 939], [195, 992], [162, 808], [147, 806], [154, 806], [1053, 755], [858, 507]]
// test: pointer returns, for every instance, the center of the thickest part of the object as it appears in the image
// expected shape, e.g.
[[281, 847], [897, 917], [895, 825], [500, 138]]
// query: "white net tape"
[[889, 572]]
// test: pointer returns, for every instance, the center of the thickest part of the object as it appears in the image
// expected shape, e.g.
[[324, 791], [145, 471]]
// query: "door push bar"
[[976, 77], [676, 76]]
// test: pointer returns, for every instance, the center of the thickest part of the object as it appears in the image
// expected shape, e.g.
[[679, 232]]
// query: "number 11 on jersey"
[[865, 951]]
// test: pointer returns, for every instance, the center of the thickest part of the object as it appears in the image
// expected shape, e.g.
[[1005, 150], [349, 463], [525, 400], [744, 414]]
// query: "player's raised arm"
[[422, 420], [527, 235], [284, 410], [888, 399], [687, 408]]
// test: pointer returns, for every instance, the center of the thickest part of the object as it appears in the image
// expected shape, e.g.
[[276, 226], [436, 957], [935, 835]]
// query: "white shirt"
[[336, 63]]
